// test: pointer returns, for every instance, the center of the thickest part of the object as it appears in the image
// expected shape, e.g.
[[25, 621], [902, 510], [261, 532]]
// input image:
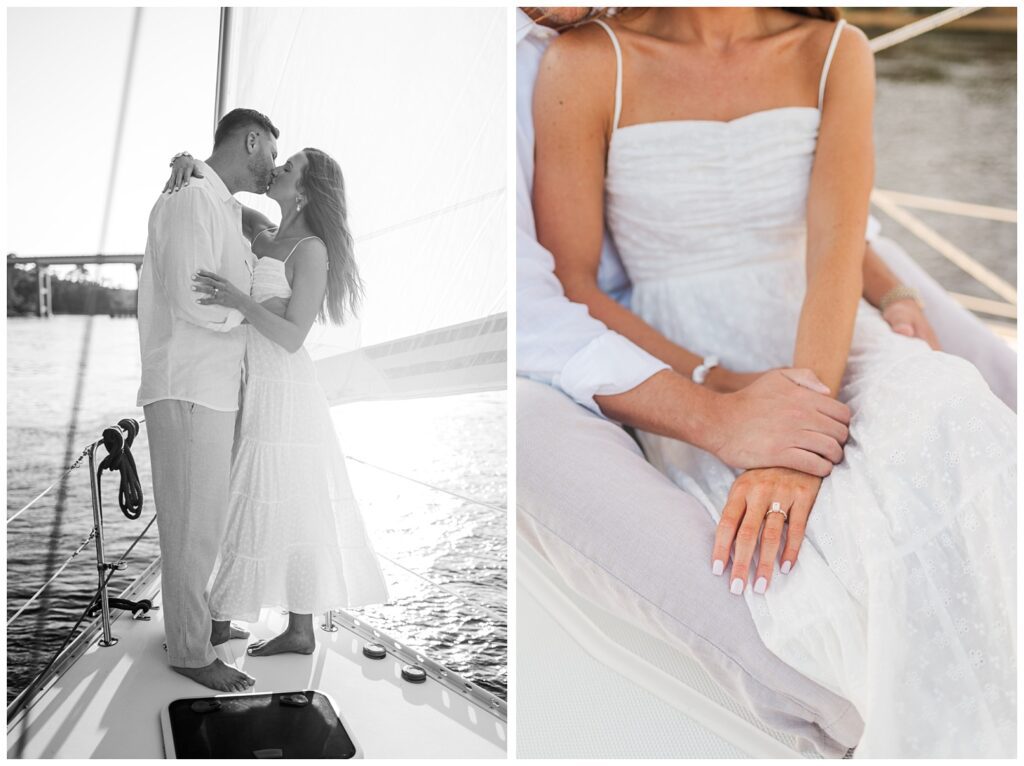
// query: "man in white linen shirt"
[[191, 377], [585, 492]]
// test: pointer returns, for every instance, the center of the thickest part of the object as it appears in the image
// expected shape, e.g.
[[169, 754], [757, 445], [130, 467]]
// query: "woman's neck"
[[715, 28], [292, 224]]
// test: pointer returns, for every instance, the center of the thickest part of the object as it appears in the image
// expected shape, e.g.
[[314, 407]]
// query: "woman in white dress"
[[295, 538], [736, 184]]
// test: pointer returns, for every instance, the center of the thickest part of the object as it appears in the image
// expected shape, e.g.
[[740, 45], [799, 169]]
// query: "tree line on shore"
[[70, 296]]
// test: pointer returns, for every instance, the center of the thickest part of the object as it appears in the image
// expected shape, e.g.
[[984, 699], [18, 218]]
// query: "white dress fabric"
[[295, 537], [903, 596]]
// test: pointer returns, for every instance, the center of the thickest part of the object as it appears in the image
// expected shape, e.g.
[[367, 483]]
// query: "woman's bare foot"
[[223, 630], [297, 642], [219, 676]]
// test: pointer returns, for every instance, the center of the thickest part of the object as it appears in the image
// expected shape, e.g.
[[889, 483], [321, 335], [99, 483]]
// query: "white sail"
[[411, 102]]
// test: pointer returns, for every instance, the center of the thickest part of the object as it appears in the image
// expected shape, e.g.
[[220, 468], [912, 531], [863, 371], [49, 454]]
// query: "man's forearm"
[[878, 279], [668, 404]]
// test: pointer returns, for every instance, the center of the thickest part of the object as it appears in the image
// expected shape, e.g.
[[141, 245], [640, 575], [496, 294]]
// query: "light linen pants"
[[190, 454], [628, 539]]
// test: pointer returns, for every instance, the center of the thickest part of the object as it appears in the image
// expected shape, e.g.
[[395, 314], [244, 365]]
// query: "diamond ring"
[[777, 508]]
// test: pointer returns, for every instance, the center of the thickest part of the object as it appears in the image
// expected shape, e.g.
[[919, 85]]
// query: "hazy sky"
[[66, 73]]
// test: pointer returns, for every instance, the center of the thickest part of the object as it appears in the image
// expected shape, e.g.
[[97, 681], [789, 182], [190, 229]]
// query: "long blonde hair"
[[326, 214]]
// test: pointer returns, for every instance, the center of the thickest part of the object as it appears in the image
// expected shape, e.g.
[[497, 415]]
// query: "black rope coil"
[[118, 441], [120, 603]]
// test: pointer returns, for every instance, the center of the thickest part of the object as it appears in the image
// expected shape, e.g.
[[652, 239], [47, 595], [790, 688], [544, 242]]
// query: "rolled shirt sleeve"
[[187, 226], [559, 343]]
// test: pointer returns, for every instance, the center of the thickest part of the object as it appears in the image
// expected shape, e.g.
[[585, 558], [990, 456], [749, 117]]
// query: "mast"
[[223, 53]]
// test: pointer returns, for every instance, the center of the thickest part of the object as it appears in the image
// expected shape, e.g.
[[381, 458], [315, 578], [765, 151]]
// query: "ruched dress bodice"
[[714, 213]]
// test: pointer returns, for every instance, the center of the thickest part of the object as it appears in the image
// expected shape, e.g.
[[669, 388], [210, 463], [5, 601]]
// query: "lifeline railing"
[[895, 204], [106, 570]]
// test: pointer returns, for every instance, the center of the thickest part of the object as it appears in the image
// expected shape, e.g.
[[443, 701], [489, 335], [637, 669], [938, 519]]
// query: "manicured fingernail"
[[717, 568], [737, 587], [761, 585], [786, 566]]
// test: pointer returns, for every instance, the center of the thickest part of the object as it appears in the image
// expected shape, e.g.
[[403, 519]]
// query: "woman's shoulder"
[[309, 250], [576, 70], [817, 34], [580, 48]]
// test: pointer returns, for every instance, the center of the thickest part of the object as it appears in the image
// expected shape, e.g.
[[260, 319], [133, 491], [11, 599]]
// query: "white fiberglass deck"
[[590, 685], [107, 703]]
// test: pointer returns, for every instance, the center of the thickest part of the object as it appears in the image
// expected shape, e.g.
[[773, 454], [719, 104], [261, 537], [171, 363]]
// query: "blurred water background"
[[946, 127], [68, 377]]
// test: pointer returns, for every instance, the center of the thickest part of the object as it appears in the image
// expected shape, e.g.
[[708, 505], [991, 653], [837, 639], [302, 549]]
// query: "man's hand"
[[778, 421], [907, 318]]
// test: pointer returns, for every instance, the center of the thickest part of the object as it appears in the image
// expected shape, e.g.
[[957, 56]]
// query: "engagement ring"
[[777, 508]]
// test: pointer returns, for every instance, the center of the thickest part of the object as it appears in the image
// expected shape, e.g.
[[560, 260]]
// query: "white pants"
[[190, 455]]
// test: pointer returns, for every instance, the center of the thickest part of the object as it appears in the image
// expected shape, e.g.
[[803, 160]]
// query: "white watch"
[[700, 373]]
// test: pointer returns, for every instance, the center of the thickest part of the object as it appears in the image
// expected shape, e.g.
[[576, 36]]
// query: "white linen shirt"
[[557, 341], [190, 351]]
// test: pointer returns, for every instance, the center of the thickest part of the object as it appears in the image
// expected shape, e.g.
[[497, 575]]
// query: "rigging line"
[[92, 535], [33, 685], [119, 134], [431, 486], [31, 502], [917, 28], [432, 214], [56, 574], [462, 597], [69, 469]]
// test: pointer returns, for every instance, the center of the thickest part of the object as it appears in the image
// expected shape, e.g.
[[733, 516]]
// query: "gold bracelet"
[[900, 293]]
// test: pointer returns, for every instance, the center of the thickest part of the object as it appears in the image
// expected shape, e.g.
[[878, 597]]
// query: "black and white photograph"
[[256, 382]]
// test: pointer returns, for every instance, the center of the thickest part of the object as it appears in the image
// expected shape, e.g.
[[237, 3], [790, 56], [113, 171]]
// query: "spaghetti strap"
[[828, 61], [296, 247], [618, 73]]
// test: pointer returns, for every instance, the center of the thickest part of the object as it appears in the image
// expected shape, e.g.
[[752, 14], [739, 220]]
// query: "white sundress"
[[903, 596], [295, 537]]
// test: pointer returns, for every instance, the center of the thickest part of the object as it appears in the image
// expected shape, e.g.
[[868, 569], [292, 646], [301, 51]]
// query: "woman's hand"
[[750, 499], [183, 168], [217, 291], [907, 318]]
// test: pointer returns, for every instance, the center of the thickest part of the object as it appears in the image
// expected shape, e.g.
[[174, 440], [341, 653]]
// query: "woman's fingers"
[[746, 544], [732, 515], [771, 540], [798, 515]]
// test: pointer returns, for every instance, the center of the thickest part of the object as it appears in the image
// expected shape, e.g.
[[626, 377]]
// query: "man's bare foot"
[[219, 676], [223, 630], [290, 641]]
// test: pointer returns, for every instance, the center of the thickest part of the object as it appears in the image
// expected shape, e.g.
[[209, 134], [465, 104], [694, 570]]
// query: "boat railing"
[[100, 605], [896, 204]]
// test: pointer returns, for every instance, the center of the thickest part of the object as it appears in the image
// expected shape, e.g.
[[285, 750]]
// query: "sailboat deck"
[[107, 703]]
